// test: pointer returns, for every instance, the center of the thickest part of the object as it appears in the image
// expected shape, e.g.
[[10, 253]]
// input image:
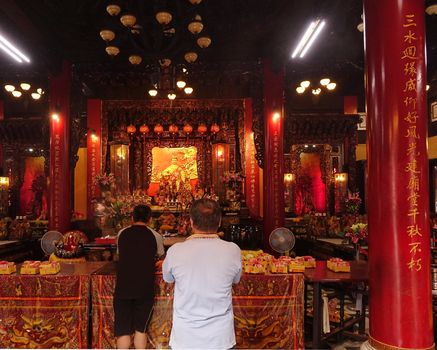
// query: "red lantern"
[[202, 128], [144, 129], [188, 129], [215, 128], [131, 129], [173, 129], [158, 129]]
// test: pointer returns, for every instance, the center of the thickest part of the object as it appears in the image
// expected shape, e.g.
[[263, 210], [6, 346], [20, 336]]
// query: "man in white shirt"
[[204, 267]]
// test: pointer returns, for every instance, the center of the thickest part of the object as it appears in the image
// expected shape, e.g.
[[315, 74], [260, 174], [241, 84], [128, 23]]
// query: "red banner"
[[399, 237], [273, 175], [252, 168], [94, 152], [59, 189]]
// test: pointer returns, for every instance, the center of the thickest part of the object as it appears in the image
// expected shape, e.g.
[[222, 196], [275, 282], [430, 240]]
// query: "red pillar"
[[252, 169], [2, 116], [399, 249], [94, 151], [60, 176], [273, 175]]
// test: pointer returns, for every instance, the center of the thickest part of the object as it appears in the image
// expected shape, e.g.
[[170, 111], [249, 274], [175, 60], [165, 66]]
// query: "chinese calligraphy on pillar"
[[252, 169], [409, 117], [93, 152]]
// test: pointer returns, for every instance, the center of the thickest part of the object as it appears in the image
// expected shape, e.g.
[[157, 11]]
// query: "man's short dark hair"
[[206, 215], [142, 213]]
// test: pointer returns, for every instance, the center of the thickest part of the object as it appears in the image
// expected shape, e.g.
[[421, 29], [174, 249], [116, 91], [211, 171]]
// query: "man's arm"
[[166, 269], [239, 267]]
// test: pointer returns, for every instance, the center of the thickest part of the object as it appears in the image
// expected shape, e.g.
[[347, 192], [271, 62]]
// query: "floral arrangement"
[[120, 208], [232, 177], [357, 233], [105, 181], [352, 203]]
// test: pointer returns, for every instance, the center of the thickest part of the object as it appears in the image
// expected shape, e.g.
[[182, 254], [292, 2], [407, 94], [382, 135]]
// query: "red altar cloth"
[[49, 311], [268, 311]]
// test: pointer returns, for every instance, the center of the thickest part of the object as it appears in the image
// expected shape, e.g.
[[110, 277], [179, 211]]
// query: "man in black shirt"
[[135, 285]]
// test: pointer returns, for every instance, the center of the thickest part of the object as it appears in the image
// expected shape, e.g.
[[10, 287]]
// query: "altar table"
[[49, 311], [268, 310]]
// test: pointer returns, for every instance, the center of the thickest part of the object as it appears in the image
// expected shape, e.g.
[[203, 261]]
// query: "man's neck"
[[140, 223]]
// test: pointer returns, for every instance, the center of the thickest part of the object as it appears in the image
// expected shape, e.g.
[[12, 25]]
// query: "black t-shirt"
[[136, 265]]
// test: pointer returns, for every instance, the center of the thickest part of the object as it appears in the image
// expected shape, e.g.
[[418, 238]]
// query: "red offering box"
[[102, 240]]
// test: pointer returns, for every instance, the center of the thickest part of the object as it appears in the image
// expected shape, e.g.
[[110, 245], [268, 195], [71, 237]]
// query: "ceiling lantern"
[[195, 2], [204, 42], [144, 129], [202, 128], [173, 129], [196, 25], [9, 88], [190, 57], [158, 129], [215, 128], [128, 20], [131, 129], [165, 62], [153, 91], [163, 17], [25, 86], [188, 90], [188, 129], [135, 59], [113, 9], [107, 35], [112, 50]]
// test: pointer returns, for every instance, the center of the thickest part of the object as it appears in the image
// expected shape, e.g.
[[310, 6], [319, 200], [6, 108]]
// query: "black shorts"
[[131, 315]]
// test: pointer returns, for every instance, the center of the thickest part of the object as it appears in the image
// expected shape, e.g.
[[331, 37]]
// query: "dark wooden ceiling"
[[241, 31]]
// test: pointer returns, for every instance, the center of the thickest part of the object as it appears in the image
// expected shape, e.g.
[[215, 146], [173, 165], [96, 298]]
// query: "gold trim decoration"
[[382, 346]]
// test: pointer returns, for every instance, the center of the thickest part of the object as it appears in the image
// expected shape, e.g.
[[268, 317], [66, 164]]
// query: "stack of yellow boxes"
[[7, 267]]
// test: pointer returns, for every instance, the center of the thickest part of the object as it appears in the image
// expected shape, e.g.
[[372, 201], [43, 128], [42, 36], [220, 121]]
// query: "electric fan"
[[49, 240], [282, 240]]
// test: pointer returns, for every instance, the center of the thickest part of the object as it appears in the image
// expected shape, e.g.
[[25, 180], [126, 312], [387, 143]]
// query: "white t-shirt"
[[204, 270]]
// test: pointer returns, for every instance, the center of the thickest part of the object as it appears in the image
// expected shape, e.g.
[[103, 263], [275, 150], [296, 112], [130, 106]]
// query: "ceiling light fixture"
[[308, 38], [326, 83], [12, 50], [431, 7], [9, 88], [427, 87], [16, 93], [188, 90], [25, 86]]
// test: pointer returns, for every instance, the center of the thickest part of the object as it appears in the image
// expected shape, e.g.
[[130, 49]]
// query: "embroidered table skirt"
[[268, 311]]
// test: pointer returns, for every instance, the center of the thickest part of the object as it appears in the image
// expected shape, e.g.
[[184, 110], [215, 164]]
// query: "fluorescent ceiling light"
[[12, 51], [308, 38]]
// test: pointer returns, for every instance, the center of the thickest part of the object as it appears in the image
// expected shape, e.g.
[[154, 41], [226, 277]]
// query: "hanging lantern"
[[113, 9], [173, 129], [107, 35], [165, 62], [196, 25], [144, 129], [204, 41], [128, 20], [202, 128], [195, 2], [190, 57], [112, 50], [188, 129], [163, 17], [135, 59], [215, 128], [131, 129], [158, 129]]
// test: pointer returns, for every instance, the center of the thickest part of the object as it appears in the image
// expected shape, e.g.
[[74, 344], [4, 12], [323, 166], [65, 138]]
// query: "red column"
[[273, 175], [94, 151], [399, 249], [252, 169], [60, 177], [2, 116]]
